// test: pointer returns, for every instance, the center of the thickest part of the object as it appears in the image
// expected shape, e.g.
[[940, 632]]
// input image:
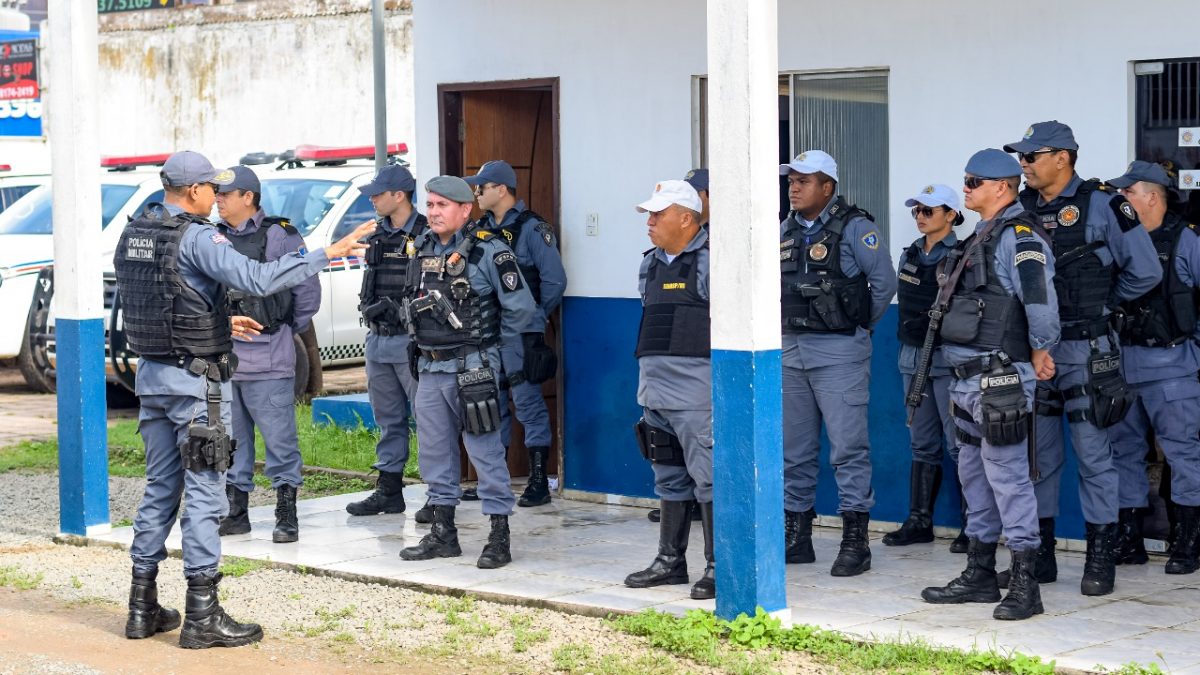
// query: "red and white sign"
[[18, 70]]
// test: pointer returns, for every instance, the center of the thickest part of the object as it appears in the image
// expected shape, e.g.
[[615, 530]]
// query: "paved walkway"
[[574, 555]]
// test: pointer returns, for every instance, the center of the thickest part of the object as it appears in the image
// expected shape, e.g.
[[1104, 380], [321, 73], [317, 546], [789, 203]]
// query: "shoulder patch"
[[1023, 229], [510, 275], [1030, 262], [484, 235], [1127, 218], [871, 240], [547, 233], [218, 238]]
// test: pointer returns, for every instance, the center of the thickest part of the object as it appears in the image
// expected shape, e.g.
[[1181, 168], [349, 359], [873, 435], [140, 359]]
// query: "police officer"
[[1001, 319], [698, 178], [675, 382], [532, 240], [1160, 360], [390, 382], [1096, 240], [936, 211], [468, 306], [265, 382], [171, 266], [837, 282]]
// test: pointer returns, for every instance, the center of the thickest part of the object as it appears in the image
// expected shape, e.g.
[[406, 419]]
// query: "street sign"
[[110, 6], [18, 70]]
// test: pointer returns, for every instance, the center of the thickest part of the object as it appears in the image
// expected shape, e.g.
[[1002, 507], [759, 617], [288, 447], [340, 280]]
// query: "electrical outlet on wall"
[[592, 228]]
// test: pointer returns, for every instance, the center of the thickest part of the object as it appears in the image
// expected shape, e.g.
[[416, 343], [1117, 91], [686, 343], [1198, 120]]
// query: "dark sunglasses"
[[923, 211], [973, 182], [1031, 157]]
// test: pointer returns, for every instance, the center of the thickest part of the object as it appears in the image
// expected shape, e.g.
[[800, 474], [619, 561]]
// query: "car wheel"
[[302, 368], [33, 359]]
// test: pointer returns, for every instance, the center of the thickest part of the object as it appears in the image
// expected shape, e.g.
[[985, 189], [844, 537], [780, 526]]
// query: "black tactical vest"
[[675, 319], [915, 295], [512, 235], [1165, 316], [817, 296], [165, 317], [1002, 323], [478, 315], [1081, 280], [387, 270], [273, 310]]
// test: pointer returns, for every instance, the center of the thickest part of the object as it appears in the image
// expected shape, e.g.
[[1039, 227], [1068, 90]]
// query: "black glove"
[[414, 358], [540, 361]]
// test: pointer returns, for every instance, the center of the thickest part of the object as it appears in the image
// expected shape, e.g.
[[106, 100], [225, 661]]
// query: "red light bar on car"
[[323, 154], [133, 160], [5, 167]]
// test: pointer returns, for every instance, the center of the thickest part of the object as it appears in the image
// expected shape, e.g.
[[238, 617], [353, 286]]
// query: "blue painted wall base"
[[748, 482], [347, 411], [82, 425]]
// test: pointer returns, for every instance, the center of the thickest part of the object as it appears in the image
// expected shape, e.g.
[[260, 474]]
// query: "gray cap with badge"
[[1142, 171], [243, 179], [192, 168], [1052, 134], [451, 187]]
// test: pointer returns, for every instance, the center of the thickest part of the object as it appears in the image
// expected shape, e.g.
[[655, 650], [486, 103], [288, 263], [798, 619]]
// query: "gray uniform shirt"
[[862, 250], [1149, 364], [390, 348], [206, 261], [1131, 251], [538, 248], [676, 382], [269, 357], [909, 355], [518, 311]]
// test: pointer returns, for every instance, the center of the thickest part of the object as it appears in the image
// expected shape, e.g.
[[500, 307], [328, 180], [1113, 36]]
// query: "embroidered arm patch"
[[1031, 266], [1127, 218], [510, 274]]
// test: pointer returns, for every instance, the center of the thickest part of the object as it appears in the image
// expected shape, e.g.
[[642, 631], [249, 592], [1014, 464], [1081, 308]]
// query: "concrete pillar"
[[78, 283], [743, 148]]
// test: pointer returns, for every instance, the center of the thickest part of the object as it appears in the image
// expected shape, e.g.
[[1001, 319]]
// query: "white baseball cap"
[[670, 192], [811, 161], [935, 195]]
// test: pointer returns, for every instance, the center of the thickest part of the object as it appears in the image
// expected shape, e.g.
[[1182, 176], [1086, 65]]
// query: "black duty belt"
[[447, 354], [981, 365], [215, 368], [385, 330], [1089, 329]]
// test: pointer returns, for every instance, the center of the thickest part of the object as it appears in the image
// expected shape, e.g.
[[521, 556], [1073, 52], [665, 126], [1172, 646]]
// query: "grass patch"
[[571, 657], [704, 638], [15, 577], [523, 635], [233, 566]]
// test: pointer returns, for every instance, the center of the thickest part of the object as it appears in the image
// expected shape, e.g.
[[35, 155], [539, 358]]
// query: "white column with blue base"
[[743, 147], [78, 263]]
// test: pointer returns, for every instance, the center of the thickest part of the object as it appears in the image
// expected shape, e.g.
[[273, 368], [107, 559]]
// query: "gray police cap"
[[452, 188], [1139, 170], [190, 168], [993, 163], [1052, 134], [243, 179], [496, 171]]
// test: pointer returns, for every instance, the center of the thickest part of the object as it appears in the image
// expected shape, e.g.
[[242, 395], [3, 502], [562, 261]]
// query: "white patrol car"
[[316, 189], [15, 186]]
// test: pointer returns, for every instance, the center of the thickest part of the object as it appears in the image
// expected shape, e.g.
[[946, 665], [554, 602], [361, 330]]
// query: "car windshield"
[[302, 201], [9, 194], [33, 213]]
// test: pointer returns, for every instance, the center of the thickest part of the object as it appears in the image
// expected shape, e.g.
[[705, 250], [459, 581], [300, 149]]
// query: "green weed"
[[19, 579], [234, 566]]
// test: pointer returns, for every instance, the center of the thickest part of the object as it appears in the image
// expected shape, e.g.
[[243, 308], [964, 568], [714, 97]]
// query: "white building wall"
[[962, 76]]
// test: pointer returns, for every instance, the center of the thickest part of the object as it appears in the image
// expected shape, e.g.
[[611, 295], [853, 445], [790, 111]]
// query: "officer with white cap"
[[837, 282]]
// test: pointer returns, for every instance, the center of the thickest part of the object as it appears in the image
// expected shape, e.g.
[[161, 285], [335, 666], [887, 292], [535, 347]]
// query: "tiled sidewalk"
[[575, 555]]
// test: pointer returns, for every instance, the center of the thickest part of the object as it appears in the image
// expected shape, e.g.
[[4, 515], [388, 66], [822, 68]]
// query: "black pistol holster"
[[658, 445], [1002, 399], [479, 392], [208, 446], [1109, 398]]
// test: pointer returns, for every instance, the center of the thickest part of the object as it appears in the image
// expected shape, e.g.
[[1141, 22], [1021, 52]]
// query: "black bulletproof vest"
[[915, 295], [273, 310], [1081, 280], [165, 317], [675, 319], [478, 314], [1166, 315], [817, 296], [1002, 321], [387, 269], [512, 236]]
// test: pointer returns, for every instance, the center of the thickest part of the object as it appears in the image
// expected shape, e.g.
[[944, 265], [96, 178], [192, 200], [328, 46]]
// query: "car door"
[[349, 334]]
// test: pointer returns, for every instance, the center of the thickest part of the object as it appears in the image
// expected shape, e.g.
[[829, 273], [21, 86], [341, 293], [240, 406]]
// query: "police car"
[[316, 189], [14, 186]]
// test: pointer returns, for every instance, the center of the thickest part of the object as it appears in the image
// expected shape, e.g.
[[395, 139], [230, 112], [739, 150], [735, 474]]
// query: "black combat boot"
[[1185, 554], [496, 553], [424, 514], [287, 525], [238, 520], [442, 540], [470, 494], [854, 557], [706, 587], [388, 497], [146, 616], [1024, 597], [977, 583], [797, 536], [537, 491], [1099, 569], [961, 542], [670, 565], [1046, 569], [206, 624], [924, 480], [1130, 547], [654, 515]]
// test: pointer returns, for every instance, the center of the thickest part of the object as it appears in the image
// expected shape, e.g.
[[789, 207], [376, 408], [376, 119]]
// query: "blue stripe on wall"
[[600, 390], [82, 428]]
